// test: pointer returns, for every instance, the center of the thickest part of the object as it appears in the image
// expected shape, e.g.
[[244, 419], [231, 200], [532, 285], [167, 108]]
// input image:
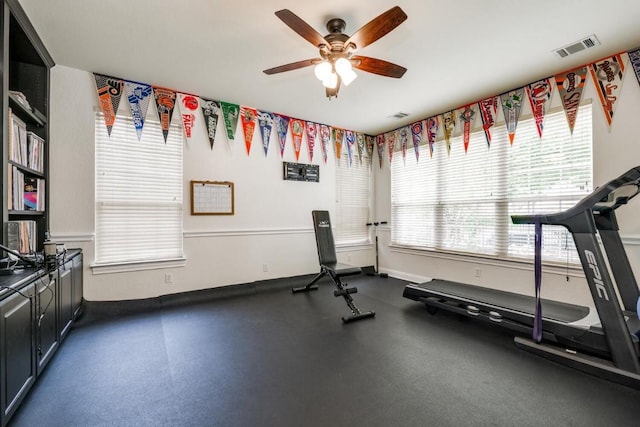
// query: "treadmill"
[[605, 343]]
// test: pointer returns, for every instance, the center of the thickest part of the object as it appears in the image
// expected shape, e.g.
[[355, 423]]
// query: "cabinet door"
[[65, 288], [17, 349], [46, 318], [77, 292]]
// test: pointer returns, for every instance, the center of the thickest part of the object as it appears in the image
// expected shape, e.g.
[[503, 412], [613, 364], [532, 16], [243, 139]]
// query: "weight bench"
[[329, 266]]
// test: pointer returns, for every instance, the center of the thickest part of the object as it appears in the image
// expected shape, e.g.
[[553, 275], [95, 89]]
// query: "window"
[[138, 193], [352, 200], [462, 202]]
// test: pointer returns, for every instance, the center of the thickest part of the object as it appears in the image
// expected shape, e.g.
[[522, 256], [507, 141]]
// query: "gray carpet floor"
[[261, 356]]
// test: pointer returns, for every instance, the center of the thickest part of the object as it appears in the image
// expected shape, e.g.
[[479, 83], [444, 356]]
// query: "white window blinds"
[[353, 187], [138, 193], [463, 202]]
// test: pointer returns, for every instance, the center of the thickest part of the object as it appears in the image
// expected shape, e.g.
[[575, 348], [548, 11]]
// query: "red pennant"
[[297, 130], [248, 116]]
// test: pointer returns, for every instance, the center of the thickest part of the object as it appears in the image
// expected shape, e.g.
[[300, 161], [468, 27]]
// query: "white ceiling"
[[456, 51]]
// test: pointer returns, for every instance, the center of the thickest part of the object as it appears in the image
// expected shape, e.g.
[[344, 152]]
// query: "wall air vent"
[[585, 43], [398, 115]]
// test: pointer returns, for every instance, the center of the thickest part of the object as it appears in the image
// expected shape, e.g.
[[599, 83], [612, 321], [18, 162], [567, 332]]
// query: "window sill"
[[126, 267]]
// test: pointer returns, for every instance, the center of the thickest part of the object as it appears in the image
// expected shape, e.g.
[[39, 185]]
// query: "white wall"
[[614, 152], [272, 224]]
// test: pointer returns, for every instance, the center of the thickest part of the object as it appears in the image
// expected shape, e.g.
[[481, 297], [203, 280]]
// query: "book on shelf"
[[21, 236], [35, 150], [25, 193], [25, 147]]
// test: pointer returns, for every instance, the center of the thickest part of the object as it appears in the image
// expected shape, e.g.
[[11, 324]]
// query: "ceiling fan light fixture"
[[322, 70], [345, 71], [348, 77], [331, 81]]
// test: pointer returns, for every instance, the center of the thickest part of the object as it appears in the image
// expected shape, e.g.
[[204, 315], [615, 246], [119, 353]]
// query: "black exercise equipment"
[[610, 349], [329, 266], [376, 271]]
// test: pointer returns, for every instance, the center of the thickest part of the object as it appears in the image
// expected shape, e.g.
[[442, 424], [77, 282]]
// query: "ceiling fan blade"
[[292, 66], [377, 66], [299, 26], [377, 27]]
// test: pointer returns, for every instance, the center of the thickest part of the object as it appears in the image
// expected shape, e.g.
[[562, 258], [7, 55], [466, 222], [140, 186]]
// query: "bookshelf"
[[25, 131]]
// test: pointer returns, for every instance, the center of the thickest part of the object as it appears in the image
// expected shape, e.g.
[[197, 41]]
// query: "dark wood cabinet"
[[65, 287], [17, 343], [77, 291], [46, 319]]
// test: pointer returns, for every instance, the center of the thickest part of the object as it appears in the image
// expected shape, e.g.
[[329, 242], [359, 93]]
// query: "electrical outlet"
[[168, 278], [265, 268], [478, 272]]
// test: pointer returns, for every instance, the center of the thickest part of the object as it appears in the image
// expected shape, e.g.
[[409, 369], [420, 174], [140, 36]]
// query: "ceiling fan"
[[336, 49]]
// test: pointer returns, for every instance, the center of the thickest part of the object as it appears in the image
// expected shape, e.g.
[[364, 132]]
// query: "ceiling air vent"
[[585, 43], [399, 115]]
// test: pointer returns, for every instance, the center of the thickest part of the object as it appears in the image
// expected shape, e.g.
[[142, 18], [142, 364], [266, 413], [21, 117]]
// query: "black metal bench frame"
[[329, 266]]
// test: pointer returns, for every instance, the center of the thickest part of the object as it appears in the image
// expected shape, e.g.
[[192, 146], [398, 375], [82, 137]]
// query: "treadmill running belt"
[[555, 310]]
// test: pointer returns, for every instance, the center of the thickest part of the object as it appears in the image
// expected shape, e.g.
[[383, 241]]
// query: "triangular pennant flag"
[[370, 142], [448, 127], [380, 144], [634, 57], [109, 94], [189, 104], [511, 107], [230, 113], [248, 117], [417, 131], [570, 85], [539, 94], [312, 132], [391, 138], [360, 145], [165, 103], [138, 95], [297, 131], [338, 137], [211, 113], [488, 113], [432, 124], [265, 121], [467, 117], [282, 127], [350, 136], [325, 140], [404, 141], [607, 75]]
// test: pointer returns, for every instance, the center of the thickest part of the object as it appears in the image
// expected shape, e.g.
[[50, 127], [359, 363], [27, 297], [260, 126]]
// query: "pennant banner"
[[312, 133], [265, 122], [189, 104], [248, 117], [165, 103], [607, 75], [448, 128], [488, 114], [325, 141], [109, 94], [360, 144], [338, 137], [391, 138], [511, 107], [539, 94], [230, 113], [138, 95], [297, 130], [404, 141], [370, 142], [417, 130], [570, 85], [380, 145], [282, 127], [467, 117], [350, 136], [634, 57], [211, 113], [432, 124]]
